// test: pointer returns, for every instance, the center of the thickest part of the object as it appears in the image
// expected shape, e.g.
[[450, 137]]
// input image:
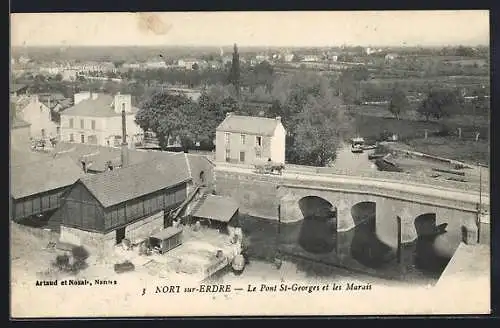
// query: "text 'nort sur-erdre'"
[[262, 288]]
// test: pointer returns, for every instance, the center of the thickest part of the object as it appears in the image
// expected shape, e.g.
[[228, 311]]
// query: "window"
[[71, 137], [228, 155], [242, 156], [82, 137], [226, 138], [93, 124], [82, 124], [43, 133], [258, 153], [258, 141], [71, 123], [243, 137]]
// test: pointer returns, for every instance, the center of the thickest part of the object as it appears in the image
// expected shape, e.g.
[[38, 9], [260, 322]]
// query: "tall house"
[[38, 115], [248, 139], [97, 119]]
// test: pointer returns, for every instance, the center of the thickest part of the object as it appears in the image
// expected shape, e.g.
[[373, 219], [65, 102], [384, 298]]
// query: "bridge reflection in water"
[[314, 242]]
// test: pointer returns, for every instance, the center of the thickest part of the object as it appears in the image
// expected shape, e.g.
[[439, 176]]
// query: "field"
[[442, 136]]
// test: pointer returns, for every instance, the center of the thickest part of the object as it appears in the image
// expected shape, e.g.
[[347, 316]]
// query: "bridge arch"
[[365, 246], [435, 243], [364, 212], [318, 230]]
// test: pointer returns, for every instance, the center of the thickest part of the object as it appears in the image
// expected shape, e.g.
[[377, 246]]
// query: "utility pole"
[[480, 210]]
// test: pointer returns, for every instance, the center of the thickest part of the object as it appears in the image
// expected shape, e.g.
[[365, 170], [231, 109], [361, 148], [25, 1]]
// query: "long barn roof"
[[44, 175], [121, 185]]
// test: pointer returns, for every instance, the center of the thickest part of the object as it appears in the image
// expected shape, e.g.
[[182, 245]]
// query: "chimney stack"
[[124, 150]]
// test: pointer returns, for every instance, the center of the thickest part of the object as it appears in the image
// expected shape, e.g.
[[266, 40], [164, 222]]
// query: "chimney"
[[124, 150], [278, 118]]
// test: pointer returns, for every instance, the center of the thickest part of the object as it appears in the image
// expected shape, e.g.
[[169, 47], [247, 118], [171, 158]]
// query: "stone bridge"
[[397, 207]]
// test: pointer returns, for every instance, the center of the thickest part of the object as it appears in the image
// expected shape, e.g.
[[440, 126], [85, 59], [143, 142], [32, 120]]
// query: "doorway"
[[120, 235]]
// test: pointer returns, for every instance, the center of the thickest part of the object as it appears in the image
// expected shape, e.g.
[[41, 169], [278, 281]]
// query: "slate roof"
[[217, 208], [249, 124], [41, 176], [118, 186], [99, 107]]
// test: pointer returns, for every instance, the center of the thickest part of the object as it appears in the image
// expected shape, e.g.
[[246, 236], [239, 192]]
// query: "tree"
[[118, 63], [58, 77], [195, 66], [318, 130], [312, 115], [399, 103], [167, 115], [234, 73], [439, 104]]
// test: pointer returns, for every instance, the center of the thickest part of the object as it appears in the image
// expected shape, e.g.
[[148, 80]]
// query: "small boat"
[[357, 145], [238, 264]]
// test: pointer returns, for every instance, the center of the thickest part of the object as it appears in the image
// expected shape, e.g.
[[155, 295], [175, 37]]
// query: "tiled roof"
[[41, 176], [249, 124], [217, 208], [100, 107], [118, 186]]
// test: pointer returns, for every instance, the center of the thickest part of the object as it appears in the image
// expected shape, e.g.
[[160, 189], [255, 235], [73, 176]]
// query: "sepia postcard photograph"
[[179, 164]]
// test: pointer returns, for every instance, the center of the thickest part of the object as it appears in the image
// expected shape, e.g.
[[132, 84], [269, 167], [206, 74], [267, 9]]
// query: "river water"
[[314, 249]]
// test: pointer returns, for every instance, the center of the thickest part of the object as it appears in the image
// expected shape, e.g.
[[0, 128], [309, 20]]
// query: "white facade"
[[278, 142], [247, 147], [38, 115], [103, 130], [288, 57]]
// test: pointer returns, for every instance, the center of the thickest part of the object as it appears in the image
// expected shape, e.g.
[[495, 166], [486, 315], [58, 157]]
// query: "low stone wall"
[[80, 237], [134, 232], [47, 235], [256, 195]]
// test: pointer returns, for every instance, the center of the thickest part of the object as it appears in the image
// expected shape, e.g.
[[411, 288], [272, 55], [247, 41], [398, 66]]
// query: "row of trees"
[[440, 103]]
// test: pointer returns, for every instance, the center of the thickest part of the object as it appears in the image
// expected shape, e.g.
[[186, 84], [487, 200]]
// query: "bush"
[[80, 254], [78, 266], [62, 261]]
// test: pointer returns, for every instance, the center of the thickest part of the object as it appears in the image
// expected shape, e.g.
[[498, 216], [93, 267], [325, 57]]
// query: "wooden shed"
[[37, 187], [166, 239], [125, 203], [217, 212]]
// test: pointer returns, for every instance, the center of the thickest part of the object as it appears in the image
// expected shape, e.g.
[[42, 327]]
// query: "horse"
[[278, 168]]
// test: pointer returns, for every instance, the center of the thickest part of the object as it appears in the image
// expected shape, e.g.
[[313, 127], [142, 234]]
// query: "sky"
[[306, 28]]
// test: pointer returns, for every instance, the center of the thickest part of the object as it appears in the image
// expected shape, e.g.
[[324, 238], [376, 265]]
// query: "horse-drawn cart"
[[269, 168]]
